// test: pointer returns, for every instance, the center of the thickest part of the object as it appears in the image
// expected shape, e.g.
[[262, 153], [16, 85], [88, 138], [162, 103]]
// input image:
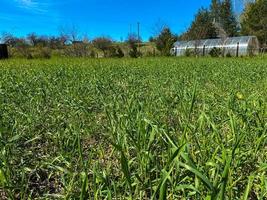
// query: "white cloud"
[[28, 4], [43, 9], [33, 5]]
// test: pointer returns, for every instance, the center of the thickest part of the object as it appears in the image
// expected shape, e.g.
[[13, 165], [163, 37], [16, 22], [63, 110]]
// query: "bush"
[[25, 52], [114, 52], [77, 50], [120, 53], [189, 53], [40, 52], [228, 55], [133, 42], [29, 56], [215, 52], [150, 54], [104, 44], [45, 52], [93, 54], [134, 53]]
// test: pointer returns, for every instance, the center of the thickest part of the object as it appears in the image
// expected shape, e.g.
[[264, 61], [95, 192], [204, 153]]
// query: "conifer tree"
[[201, 27], [215, 10], [227, 18], [254, 20], [164, 41]]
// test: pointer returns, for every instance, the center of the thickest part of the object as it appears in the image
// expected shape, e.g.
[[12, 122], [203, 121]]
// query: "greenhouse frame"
[[231, 46]]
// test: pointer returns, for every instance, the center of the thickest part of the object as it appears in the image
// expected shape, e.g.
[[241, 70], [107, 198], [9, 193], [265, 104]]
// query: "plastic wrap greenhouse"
[[231, 46]]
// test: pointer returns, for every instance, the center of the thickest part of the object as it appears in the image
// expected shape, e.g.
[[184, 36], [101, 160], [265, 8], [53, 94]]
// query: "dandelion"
[[240, 96]]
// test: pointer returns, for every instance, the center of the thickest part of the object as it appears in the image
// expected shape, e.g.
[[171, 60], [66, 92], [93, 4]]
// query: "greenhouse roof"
[[242, 41]]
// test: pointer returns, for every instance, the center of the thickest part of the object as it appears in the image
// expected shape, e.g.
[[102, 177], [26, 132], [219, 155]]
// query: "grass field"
[[155, 128]]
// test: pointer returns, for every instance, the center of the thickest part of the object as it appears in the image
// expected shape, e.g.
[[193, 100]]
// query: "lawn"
[[152, 128]]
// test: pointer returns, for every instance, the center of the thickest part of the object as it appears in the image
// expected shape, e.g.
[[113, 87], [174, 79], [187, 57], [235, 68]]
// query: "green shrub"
[[45, 52], [93, 54], [114, 52], [215, 52], [189, 52], [120, 53], [40, 52], [228, 55]]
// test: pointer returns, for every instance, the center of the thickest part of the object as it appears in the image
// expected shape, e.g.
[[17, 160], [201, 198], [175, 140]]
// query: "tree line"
[[69, 44], [218, 20]]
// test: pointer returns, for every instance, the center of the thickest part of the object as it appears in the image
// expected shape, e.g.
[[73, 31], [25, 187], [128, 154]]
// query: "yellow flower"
[[239, 95]]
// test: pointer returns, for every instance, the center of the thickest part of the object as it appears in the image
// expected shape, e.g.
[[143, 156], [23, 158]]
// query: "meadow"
[[151, 128]]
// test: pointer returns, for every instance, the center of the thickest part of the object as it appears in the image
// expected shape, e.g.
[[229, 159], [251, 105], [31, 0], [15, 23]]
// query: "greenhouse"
[[231, 46]]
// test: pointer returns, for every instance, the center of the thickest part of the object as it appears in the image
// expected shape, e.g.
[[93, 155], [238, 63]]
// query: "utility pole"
[[138, 30], [138, 35], [130, 29]]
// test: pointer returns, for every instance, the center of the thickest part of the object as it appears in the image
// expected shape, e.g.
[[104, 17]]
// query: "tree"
[[36, 40], [10, 39], [55, 42], [103, 43], [227, 18], [218, 21], [132, 42], [33, 39], [158, 27], [201, 28], [63, 39], [254, 20], [215, 10], [151, 39], [164, 41], [73, 32], [69, 33]]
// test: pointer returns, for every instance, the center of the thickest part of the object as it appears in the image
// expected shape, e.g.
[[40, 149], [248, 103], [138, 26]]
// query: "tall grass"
[[162, 128]]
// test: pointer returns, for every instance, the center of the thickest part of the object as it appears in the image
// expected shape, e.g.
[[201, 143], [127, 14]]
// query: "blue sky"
[[114, 18]]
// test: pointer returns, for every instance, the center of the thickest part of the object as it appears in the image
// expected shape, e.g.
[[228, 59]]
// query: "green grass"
[[162, 128]]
